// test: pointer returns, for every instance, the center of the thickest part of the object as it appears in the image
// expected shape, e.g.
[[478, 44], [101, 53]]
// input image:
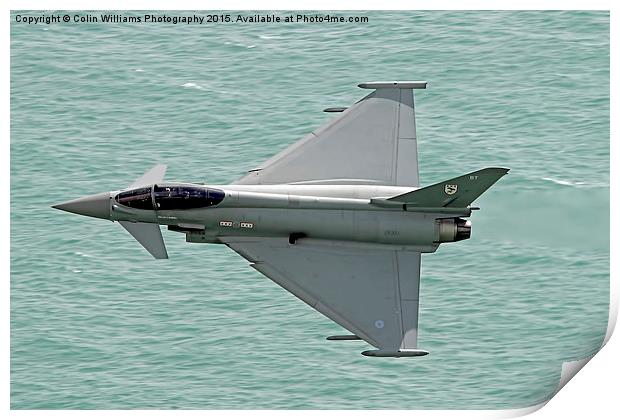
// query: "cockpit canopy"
[[186, 197], [139, 198], [170, 197]]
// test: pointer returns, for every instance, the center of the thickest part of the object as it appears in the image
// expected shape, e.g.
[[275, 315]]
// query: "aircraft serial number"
[[244, 225]]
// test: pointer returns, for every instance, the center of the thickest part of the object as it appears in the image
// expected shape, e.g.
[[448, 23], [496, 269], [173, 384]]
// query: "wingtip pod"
[[395, 353], [419, 84]]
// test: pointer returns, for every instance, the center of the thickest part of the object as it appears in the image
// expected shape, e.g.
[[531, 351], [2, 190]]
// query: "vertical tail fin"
[[456, 192]]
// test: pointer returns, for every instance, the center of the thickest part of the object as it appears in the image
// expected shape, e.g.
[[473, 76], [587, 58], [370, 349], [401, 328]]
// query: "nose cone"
[[97, 205]]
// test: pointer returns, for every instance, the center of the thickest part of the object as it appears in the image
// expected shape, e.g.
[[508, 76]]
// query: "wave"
[[574, 183], [561, 182], [270, 37], [192, 85]]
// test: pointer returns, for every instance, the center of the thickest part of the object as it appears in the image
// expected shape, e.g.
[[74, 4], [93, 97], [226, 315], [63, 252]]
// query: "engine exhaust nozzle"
[[453, 230]]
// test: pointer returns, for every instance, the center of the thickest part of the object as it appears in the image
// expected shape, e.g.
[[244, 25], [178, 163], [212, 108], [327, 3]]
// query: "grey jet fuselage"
[[338, 218], [340, 212]]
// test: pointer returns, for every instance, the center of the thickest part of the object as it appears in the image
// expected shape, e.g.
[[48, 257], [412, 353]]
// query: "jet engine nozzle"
[[453, 230], [463, 229]]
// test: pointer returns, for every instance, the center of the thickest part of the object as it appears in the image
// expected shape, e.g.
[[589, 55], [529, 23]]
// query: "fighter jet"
[[338, 218]]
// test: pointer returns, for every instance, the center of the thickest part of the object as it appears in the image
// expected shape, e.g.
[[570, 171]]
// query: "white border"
[[312, 5], [593, 392]]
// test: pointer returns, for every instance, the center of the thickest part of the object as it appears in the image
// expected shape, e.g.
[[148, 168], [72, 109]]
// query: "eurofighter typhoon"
[[338, 218]]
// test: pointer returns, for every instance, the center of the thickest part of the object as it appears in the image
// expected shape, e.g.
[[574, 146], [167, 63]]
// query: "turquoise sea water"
[[97, 323]]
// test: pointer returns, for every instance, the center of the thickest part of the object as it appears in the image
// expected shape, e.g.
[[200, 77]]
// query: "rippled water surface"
[[97, 323]]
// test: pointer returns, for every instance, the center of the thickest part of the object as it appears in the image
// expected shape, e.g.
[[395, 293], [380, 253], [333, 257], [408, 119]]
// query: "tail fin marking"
[[456, 192]]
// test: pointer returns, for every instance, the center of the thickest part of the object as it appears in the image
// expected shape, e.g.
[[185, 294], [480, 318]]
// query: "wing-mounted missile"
[[342, 337]]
